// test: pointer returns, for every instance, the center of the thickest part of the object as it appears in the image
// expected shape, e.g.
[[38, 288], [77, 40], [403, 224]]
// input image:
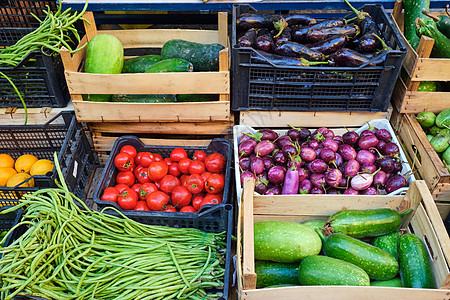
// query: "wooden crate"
[[419, 67], [424, 222], [212, 115], [425, 161]]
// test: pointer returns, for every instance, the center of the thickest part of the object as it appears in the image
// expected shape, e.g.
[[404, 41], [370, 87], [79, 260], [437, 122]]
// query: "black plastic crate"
[[61, 134], [8, 221], [258, 86], [222, 146]]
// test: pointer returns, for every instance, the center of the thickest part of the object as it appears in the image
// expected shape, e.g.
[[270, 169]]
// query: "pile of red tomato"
[[148, 182]]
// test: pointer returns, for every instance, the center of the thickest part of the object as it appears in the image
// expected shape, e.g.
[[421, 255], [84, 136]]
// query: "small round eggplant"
[[380, 145], [333, 192], [344, 182], [302, 174], [305, 187], [395, 182], [244, 163], [391, 149], [327, 155], [284, 140], [368, 168], [350, 138], [361, 181], [365, 157], [333, 177], [294, 134], [338, 163], [246, 148], [289, 150], [276, 175], [386, 164], [247, 174], [351, 191], [279, 158], [317, 190], [369, 191], [313, 144], [347, 152], [367, 142], [318, 166], [268, 163], [398, 165], [351, 168], [268, 134], [383, 134], [317, 179], [273, 190], [307, 154], [264, 148], [257, 165], [379, 179], [331, 144]]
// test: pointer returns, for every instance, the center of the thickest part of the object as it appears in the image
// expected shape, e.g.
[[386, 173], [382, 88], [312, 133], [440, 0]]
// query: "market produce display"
[[343, 259], [71, 252], [19, 172], [302, 161], [300, 40], [437, 129], [148, 182]]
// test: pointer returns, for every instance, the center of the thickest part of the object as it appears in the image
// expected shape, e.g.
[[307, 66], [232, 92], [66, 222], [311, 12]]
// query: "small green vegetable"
[[426, 119]]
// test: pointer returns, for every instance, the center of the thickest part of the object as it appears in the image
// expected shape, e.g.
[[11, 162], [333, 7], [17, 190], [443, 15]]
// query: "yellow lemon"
[[41, 167], [24, 163], [6, 161], [18, 178], [5, 174]]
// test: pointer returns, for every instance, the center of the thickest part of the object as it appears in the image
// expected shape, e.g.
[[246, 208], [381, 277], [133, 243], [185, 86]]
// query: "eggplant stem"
[[361, 15], [428, 14], [383, 44]]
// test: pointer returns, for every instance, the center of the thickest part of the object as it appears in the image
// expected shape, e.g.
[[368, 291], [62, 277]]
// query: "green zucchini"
[[204, 57], [395, 282], [197, 97], [365, 223], [429, 137], [413, 9], [443, 119], [446, 156], [439, 143], [272, 273], [170, 65], [144, 98], [286, 242], [426, 119], [442, 22], [324, 270], [377, 263], [415, 265], [388, 243], [140, 64], [441, 47], [434, 130]]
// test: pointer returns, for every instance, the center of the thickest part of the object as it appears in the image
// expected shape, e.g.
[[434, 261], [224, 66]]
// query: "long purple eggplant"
[[265, 43], [330, 45], [249, 20], [315, 35], [349, 58], [291, 181], [298, 19], [298, 50], [368, 43], [248, 39], [299, 34]]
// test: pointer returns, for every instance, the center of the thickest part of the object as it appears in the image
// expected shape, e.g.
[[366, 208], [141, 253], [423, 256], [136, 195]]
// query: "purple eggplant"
[[293, 163], [331, 144], [289, 150], [338, 163], [276, 175], [345, 57], [257, 165], [301, 134], [284, 140], [264, 148], [333, 177], [244, 163], [386, 164], [365, 157], [291, 182], [247, 174], [369, 191], [248, 39], [383, 134], [273, 190], [317, 190], [347, 152], [367, 142], [395, 182], [294, 134], [307, 154], [313, 144], [380, 145], [317, 179], [315, 35], [368, 168], [268, 163], [302, 174], [350, 138], [330, 44], [351, 168], [245, 137], [368, 43], [261, 183], [279, 158], [268, 134], [246, 148], [305, 186], [298, 50], [366, 132], [327, 155], [333, 192], [344, 182], [318, 166], [298, 35], [319, 150], [337, 139], [361, 181], [298, 19], [391, 149], [398, 165], [265, 43], [322, 133], [379, 179], [249, 20], [351, 191]]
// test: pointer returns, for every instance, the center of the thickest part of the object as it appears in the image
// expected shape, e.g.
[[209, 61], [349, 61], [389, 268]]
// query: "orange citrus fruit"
[[6, 161], [41, 167], [18, 178], [24, 163], [5, 174]]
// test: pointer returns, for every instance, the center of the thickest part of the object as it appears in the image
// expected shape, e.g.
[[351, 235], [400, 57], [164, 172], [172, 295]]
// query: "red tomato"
[[142, 206], [205, 176], [183, 165], [168, 183], [147, 188], [121, 187], [211, 199], [142, 175], [158, 185], [128, 199], [214, 183], [173, 170], [145, 159], [168, 161], [126, 177], [158, 157], [181, 196], [194, 183], [197, 167], [130, 150], [188, 209], [136, 187], [183, 179], [157, 170], [123, 161], [199, 155], [178, 154], [170, 208], [110, 194], [197, 202], [156, 201], [215, 163]]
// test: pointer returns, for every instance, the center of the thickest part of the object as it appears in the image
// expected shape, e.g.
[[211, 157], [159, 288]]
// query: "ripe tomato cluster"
[[148, 182]]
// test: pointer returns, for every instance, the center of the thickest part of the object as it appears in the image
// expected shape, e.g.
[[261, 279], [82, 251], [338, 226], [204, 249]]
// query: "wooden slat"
[[36, 116], [309, 119], [248, 264], [79, 56], [424, 51], [224, 66], [432, 69], [89, 26], [222, 29], [149, 83]]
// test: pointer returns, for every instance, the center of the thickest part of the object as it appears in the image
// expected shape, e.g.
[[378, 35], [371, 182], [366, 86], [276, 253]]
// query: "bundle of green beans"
[[70, 252]]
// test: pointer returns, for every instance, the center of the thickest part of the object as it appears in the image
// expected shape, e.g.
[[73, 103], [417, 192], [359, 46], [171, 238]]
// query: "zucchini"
[[443, 119], [413, 9], [144, 98], [388, 243], [140, 64], [429, 137], [439, 143], [442, 22], [446, 156], [365, 223], [286, 242], [415, 266], [170, 65], [324, 270], [197, 97], [395, 282], [204, 57], [441, 47], [426, 119], [272, 273], [377, 263]]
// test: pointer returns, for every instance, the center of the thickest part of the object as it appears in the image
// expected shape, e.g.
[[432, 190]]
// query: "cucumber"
[[377, 263], [446, 156], [144, 98], [170, 65], [197, 97], [388, 243], [272, 273], [443, 119], [441, 47], [365, 223], [324, 270], [426, 119], [439, 143], [395, 282], [413, 9], [104, 55], [204, 57], [286, 242], [140, 64], [434, 130], [415, 266]]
